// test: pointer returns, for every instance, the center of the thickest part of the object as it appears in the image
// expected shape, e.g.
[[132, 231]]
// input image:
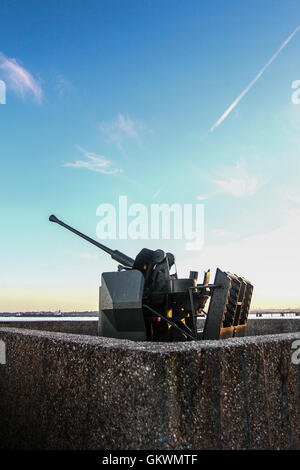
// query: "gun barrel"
[[115, 254]]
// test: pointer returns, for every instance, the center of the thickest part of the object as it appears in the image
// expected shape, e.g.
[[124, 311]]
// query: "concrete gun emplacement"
[[143, 301]]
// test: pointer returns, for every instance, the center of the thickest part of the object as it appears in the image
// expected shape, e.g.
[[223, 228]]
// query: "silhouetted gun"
[[115, 254]]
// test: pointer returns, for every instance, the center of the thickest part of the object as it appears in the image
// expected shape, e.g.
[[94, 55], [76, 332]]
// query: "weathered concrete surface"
[[270, 326], [256, 326], [80, 327], [266, 326], [66, 391]]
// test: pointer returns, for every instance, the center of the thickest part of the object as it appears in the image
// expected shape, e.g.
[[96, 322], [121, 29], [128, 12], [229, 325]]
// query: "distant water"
[[14, 319], [85, 318]]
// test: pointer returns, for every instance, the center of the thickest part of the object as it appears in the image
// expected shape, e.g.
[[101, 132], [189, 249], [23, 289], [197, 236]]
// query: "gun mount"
[[143, 301]]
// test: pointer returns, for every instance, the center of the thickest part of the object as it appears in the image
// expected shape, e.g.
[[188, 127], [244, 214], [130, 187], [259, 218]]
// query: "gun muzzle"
[[52, 218], [115, 254]]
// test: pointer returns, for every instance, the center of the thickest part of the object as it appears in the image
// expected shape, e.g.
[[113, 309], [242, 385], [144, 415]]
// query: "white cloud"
[[236, 181], [63, 85], [121, 129], [238, 187], [87, 255], [204, 197], [292, 197], [19, 79], [94, 162]]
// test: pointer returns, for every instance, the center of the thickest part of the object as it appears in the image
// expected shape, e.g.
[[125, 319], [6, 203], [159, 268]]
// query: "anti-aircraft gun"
[[143, 301]]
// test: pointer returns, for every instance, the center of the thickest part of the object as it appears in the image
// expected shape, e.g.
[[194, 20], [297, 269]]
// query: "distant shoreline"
[[91, 313], [94, 313]]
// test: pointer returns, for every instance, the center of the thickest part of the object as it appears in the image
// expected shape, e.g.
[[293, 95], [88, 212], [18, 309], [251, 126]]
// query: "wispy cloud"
[[292, 197], [19, 79], [94, 162], [204, 197], [235, 180], [238, 187], [121, 129], [63, 85], [248, 87], [87, 256], [156, 194]]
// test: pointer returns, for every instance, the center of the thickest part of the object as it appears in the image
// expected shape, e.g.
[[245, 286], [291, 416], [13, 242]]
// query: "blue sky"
[[119, 98]]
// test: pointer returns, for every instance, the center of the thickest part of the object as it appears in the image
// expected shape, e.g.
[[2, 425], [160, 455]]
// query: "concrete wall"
[[67, 391], [270, 326], [256, 326], [79, 327]]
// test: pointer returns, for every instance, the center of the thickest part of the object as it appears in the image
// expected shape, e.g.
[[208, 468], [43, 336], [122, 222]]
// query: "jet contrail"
[[238, 99]]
